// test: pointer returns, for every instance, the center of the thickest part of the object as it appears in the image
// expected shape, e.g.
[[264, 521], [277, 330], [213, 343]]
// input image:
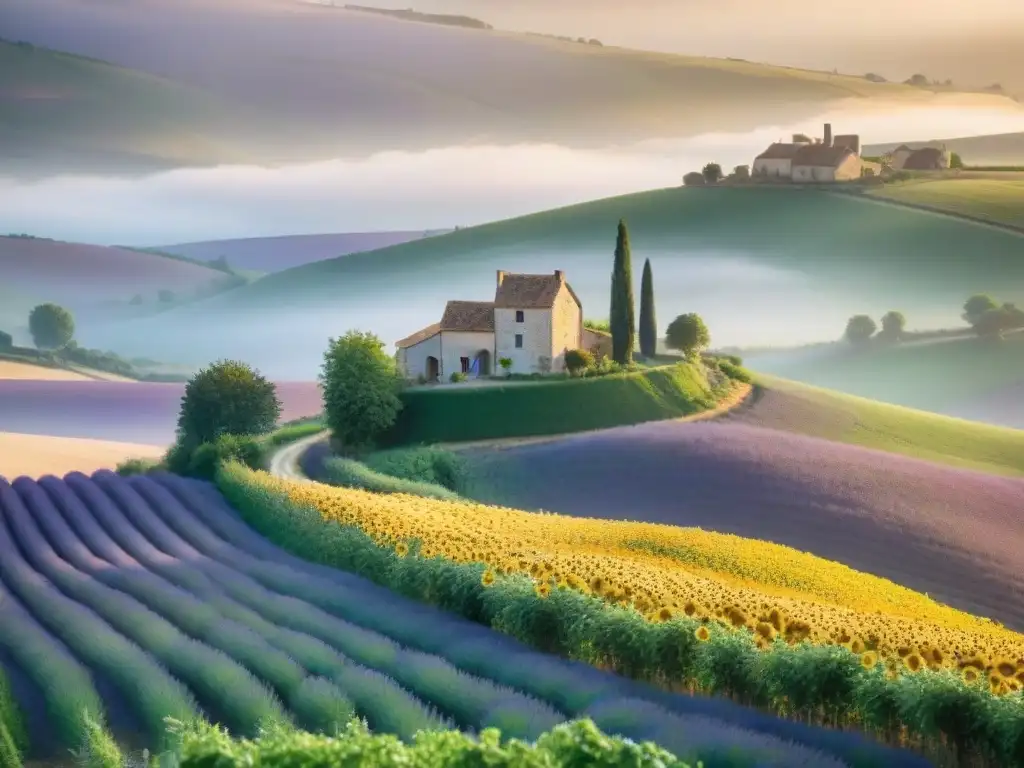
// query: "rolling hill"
[[89, 280], [839, 477], [969, 378], [279, 81], [998, 149], [276, 254], [995, 196], [798, 263]]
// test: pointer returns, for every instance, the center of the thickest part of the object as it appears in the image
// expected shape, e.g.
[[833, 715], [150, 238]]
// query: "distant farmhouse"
[[803, 159], [534, 320], [934, 157]]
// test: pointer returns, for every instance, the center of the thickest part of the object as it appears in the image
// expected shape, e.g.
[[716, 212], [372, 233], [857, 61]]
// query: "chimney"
[[828, 135], [560, 275], [501, 277]]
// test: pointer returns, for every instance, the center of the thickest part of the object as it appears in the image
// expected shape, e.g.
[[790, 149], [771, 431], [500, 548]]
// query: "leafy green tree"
[[893, 325], [993, 322], [621, 317], [648, 325], [860, 329], [51, 326], [506, 365], [955, 161], [6, 341], [361, 385], [578, 360], [228, 398], [712, 173], [976, 306], [687, 334]]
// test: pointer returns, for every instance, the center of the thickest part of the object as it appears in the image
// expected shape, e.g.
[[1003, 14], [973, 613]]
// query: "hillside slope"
[[712, 250], [276, 254], [302, 81], [997, 149], [970, 378], [800, 467], [87, 278]]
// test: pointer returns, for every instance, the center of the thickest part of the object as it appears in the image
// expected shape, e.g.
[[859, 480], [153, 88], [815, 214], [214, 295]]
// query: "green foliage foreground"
[[454, 414], [572, 744], [13, 741], [824, 684]]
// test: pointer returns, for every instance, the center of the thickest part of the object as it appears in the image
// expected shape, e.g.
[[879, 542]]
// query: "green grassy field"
[[457, 414], [997, 196], [966, 377], [823, 413]]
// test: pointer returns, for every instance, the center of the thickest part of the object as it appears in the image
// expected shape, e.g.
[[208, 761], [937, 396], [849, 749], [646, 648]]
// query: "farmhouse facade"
[[804, 160], [534, 320]]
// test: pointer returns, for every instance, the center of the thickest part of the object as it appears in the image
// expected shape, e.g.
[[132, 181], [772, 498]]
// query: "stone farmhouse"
[[933, 157], [534, 320], [803, 159]]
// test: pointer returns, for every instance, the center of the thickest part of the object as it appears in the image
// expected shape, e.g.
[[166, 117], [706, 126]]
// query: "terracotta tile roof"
[[925, 159], [820, 156], [527, 292], [421, 335], [780, 151], [468, 316]]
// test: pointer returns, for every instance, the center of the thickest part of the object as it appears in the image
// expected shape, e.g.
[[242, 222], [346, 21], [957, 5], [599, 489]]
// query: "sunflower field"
[[763, 623]]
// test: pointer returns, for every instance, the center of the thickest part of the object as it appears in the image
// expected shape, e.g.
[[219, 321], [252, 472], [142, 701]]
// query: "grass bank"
[[454, 414], [841, 683], [996, 197], [817, 412]]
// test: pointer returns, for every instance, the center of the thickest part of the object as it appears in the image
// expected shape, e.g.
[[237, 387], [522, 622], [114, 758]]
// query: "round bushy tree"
[[228, 398], [361, 388], [687, 334], [978, 305], [51, 326], [860, 329], [578, 360], [893, 325]]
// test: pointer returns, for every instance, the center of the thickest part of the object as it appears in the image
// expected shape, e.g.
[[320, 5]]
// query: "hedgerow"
[[829, 684], [13, 739], [454, 414], [571, 744], [349, 473]]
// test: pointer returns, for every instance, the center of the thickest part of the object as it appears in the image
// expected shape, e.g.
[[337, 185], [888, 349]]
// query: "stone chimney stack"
[[501, 277], [560, 275], [828, 135]]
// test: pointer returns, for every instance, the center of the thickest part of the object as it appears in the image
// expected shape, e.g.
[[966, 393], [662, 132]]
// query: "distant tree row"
[[987, 318]]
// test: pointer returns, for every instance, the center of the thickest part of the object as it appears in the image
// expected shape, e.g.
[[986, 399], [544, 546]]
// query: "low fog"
[[438, 189]]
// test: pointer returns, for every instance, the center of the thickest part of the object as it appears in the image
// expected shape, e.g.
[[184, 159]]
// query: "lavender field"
[[120, 411], [878, 512], [137, 598]]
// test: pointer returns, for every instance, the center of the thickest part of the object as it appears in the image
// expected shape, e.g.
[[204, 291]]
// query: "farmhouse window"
[[465, 364], [520, 316], [519, 341]]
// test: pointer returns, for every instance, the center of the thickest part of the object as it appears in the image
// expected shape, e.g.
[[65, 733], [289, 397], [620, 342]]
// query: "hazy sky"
[[411, 191]]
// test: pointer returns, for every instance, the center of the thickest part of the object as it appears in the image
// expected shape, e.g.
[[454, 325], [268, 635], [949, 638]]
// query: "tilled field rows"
[[135, 599]]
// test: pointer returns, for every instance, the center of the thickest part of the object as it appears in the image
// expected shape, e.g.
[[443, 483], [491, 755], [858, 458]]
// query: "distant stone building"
[[804, 160], [931, 157], [534, 320]]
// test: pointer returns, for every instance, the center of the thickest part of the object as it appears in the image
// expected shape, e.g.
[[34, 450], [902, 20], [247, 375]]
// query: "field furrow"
[[571, 687], [193, 616], [386, 705], [144, 682], [66, 685], [468, 699], [228, 692]]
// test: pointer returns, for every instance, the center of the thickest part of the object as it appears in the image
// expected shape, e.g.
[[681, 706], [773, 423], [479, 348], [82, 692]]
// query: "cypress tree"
[[622, 318], [648, 325]]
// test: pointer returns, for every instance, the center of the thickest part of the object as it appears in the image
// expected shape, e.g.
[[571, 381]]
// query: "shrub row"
[[572, 744], [821, 683], [454, 414], [350, 473], [431, 465], [13, 741]]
